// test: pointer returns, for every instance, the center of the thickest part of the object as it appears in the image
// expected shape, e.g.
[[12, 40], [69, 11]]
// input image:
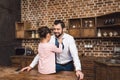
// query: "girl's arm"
[[57, 50]]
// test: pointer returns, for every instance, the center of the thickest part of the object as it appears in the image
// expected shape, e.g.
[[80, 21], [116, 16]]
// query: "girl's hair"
[[43, 31]]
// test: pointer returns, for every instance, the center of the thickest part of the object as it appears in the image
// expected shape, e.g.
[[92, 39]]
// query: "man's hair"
[[56, 22], [43, 31]]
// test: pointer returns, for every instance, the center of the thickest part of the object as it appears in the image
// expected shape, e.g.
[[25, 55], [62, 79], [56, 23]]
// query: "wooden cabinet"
[[104, 26], [83, 27], [109, 25], [21, 61], [88, 27], [105, 71], [20, 29], [74, 27], [90, 32], [24, 30], [75, 32], [88, 67]]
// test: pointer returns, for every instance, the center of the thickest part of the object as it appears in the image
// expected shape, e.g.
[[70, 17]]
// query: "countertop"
[[108, 62], [9, 73]]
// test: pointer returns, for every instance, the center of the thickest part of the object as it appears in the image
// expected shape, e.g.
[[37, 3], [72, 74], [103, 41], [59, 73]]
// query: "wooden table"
[[9, 73]]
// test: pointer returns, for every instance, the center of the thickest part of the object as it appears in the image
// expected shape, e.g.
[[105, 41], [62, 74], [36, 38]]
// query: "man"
[[68, 60]]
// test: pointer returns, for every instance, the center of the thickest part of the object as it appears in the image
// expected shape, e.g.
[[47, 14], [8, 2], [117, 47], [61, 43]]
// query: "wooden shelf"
[[117, 37], [28, 38], [109, 26], [78, 28], [30, 30], [90, 27]]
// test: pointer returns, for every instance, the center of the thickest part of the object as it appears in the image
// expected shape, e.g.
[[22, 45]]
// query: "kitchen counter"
[[107, 69], [108, 62], [9, 73]]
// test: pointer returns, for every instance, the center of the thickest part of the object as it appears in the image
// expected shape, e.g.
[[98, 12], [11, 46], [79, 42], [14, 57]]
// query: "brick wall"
[[45, 12], [101, 47]]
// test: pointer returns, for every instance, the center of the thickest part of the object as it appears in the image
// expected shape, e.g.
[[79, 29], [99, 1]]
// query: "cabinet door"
[[20, 29], [88, 33], [16, 61], [101, 73], [114, 73], [88, 67], [20, 34], [75, 32]]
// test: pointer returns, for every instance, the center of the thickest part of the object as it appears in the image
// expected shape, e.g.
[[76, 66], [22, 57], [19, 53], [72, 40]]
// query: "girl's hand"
[[28, 68]]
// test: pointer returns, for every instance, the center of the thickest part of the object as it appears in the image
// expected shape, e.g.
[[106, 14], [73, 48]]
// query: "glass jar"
[[105, 34], [110, 34], [90, 23]]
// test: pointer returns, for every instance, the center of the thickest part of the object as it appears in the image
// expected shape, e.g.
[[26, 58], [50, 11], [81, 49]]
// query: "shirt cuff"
[[32, 66], [78, 69]]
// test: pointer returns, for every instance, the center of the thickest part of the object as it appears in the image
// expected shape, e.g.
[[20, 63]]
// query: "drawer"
[[15, 60]]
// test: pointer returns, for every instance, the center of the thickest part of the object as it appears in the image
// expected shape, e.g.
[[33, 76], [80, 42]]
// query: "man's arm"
[[76, 60], [74, 54]]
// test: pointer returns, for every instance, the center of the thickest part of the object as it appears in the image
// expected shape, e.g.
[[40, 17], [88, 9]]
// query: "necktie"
[[62, 46], [56, 42]]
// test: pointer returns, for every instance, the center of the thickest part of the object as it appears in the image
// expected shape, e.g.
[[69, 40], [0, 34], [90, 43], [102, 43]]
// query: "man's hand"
[[79, 74], [28, 68]]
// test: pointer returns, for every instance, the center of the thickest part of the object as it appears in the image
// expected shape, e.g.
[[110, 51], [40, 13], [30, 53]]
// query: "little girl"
[[46, 52]]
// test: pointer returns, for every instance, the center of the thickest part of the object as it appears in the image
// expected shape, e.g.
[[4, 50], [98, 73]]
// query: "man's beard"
[[57, 36]]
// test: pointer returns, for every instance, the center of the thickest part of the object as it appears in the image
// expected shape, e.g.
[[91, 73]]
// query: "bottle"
[[112, 21], [99, 33], [33, 34], [36, 34]]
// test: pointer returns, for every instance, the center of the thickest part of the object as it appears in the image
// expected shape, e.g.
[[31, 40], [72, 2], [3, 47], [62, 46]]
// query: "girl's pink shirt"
[[46, 53]]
